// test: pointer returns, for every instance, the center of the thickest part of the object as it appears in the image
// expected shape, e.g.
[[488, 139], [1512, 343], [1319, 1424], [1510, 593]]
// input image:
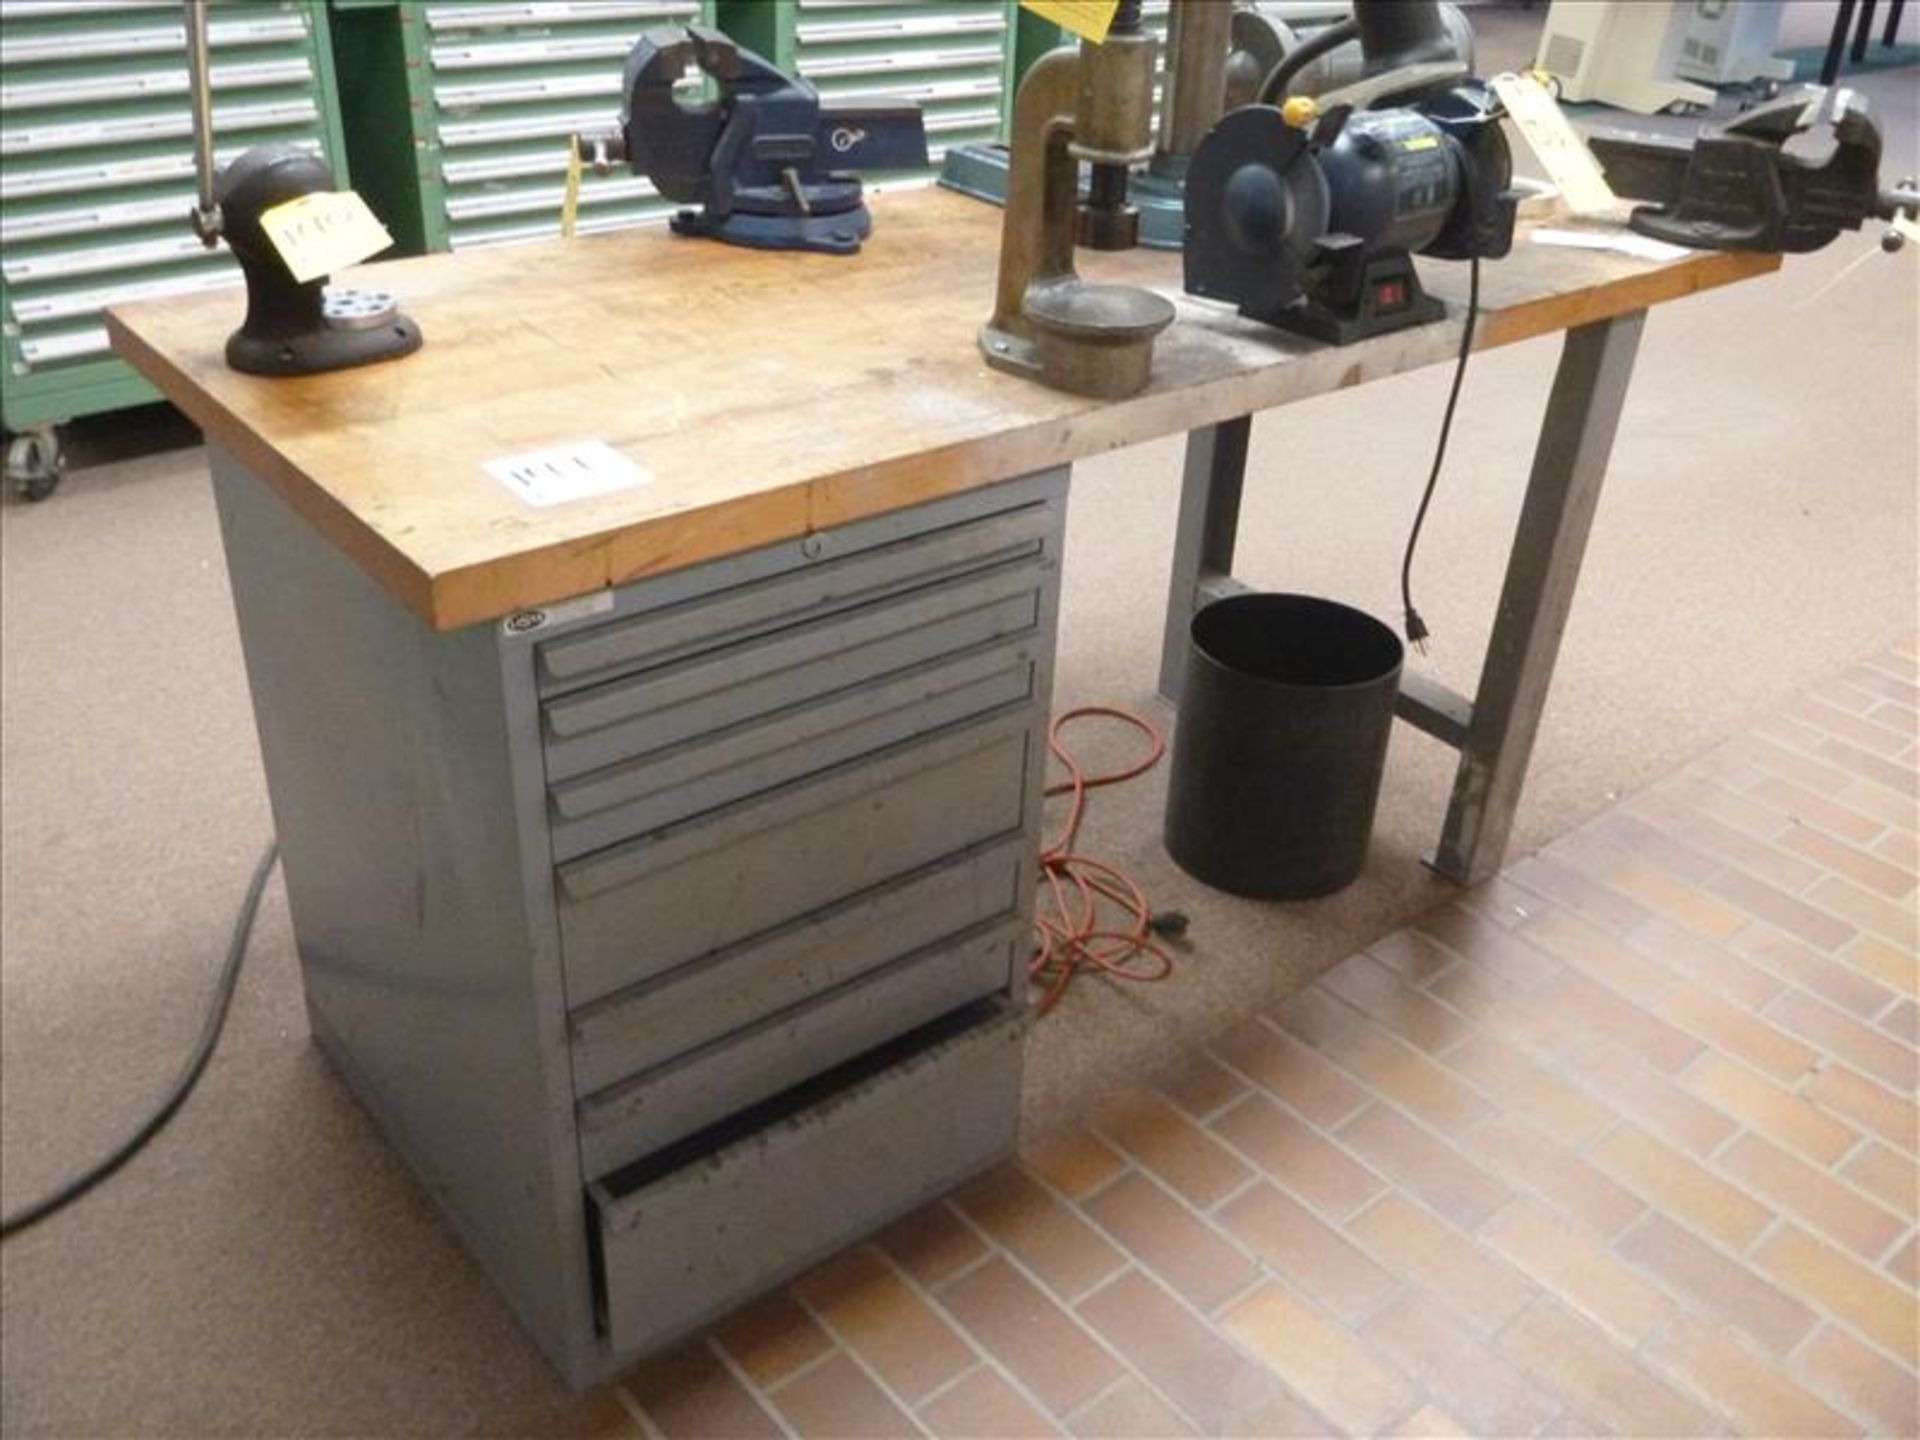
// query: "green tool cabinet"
[[96, 179], [952, 58], [484, 94], [460, 112]]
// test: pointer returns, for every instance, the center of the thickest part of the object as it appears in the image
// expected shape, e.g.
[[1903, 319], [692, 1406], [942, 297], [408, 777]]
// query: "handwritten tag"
[[577, 471], [1089, 19], [323, 232], [1552, 138]]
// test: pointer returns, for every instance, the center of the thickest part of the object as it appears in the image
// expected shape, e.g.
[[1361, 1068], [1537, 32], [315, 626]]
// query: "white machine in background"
[[1729, 42], [1645, 55]]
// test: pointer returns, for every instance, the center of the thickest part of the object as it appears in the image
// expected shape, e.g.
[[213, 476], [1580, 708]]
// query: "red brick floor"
[[1621, 1142]]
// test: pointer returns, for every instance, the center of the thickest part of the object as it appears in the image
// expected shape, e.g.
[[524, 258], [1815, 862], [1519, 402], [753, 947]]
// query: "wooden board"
[[768, 394]]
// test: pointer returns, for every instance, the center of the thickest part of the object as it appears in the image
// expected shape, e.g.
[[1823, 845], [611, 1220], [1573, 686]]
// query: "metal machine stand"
[[1494, 730]]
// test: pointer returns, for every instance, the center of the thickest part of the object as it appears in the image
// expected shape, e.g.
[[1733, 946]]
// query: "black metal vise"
[[770, 166], [1737, 188]]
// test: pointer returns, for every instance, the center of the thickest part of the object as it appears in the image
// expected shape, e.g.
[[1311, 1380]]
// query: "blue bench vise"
[[768, 164]]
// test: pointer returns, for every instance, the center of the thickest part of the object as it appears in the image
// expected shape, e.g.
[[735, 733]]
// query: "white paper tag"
[[575, 471], [1621, 242], [1556, 144], [525, 622]]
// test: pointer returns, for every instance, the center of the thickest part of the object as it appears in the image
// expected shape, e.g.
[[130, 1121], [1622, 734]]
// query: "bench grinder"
[[1307, 215]]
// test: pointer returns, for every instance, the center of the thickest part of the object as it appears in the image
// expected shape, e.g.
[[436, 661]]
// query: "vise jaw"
[[768, 164]]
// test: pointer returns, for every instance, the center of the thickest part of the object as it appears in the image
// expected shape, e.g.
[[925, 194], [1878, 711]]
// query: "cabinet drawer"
[[721, 687], [649, 1024], [780, 601], [646, 906], [696, 776], [652, 1110], [690, 1235]]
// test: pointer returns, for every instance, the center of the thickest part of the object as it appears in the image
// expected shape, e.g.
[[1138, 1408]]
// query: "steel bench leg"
[[1837, 44], [1569, 464], [1863, 31], [1203, 544]]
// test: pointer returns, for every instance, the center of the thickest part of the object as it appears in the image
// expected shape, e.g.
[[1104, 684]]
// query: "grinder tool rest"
[[770, 166]]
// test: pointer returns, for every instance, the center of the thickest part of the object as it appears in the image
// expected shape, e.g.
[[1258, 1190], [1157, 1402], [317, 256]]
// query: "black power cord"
[[1416, 627], [71, 1190], [1273, 89]]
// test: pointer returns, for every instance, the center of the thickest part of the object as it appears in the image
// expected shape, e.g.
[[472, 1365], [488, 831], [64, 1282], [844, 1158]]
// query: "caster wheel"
[[35, 465]]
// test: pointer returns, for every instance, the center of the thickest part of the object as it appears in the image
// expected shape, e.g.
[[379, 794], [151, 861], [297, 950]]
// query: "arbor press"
[[769, 165], [1093, 104]]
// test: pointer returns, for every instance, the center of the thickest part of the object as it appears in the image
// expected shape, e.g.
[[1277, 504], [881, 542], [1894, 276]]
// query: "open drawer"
[[688, 1234]]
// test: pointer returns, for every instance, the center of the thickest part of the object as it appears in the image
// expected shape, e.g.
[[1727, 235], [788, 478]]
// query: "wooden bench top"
[[768, 394]]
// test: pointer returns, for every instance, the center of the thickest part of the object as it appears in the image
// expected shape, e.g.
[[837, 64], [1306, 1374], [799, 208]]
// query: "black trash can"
[[1280, 745]]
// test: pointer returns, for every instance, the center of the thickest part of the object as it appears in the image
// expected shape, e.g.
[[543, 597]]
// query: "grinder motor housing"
[[1309, 221]]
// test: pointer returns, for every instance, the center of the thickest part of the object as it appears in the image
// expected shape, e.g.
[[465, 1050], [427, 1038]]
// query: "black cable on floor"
[[1416, 627], [66, 1194]]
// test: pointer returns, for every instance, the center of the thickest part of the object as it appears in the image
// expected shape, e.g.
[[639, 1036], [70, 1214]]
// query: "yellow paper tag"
[[1089, 19], [323, 232], [1552, 138], [1904, 224]]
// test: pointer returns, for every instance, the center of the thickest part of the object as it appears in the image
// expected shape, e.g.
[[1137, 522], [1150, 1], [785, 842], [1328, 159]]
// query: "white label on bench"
[[575, 471]]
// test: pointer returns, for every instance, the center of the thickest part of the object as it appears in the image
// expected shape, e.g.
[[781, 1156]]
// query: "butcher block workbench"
[[662, 860]]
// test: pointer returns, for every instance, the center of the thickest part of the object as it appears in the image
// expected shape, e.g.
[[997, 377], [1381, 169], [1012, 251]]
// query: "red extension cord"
[[1076, 936]]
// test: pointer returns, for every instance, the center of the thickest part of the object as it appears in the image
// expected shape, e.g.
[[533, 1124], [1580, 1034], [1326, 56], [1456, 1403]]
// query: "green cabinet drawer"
[[500, 87], [953, 58], [96, 170]]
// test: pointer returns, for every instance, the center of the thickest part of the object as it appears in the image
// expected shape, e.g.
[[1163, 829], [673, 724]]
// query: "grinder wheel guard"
[[1307, 215]]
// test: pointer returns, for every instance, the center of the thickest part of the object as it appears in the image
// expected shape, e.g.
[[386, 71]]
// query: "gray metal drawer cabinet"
[[676, 934]]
